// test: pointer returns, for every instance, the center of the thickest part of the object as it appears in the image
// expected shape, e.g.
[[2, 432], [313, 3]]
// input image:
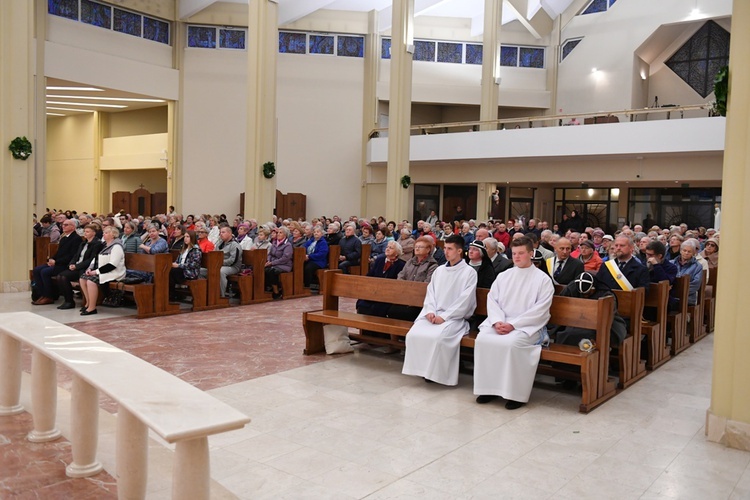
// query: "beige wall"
[[70, 163], [136, 122], [154, 180]]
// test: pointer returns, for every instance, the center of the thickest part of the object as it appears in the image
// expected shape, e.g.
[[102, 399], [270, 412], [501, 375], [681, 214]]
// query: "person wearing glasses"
[[43, 274]]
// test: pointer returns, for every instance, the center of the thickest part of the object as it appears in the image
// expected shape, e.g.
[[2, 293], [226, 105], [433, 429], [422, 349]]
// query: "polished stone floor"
[[351, 426]]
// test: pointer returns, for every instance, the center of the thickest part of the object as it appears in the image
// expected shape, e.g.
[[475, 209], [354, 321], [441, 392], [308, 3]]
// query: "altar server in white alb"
[[433, 342], [508, 347]]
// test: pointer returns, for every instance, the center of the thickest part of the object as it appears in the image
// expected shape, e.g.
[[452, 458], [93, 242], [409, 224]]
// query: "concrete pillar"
[[553, 66], [17, 119], [370, 99], [484, 195], [396, 197], [493, 16], [262, 47], [728, 418]]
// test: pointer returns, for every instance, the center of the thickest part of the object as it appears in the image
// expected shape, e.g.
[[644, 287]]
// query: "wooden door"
[[159, 203], [140, 203], [121, 201]]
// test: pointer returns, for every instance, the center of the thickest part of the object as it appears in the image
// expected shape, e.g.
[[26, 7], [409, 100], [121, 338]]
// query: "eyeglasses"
[[650, 254], [420, 246]]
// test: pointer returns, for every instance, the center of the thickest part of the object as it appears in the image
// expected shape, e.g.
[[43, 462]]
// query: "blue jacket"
[[693, 269], [318, 253]]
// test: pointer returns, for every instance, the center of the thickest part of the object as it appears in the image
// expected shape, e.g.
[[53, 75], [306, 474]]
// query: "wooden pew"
[[149, 400], [709, 303], [197, 288], [151, 299], [592, 367], [696, 326], [677, 320], [41, 250], [364, 266], [630, 306], [656, 331], [293, 283], [212, 262], [334, 252], [252, 286]]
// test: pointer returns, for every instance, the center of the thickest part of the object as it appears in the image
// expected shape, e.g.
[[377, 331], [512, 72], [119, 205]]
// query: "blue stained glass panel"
[[531, 58], [321, 44], [351, 46], [127, 22], [63, 8], [292, 43], [201, 36], [156, 30], [569, 46], [232, 39], [508, 56], [424, 50], [450, 52], [96, 14], [385, 48], [596, 6], [612, 2], [473, 53]]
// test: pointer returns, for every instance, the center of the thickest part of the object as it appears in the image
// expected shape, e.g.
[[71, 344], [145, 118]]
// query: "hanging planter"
[[269, 170], [405, 181], [721, 91], [20, 148]]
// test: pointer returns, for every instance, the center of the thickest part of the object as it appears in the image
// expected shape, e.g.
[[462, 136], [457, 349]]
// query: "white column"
[[369, 98], [399, 111], [493, 16], [10, 375], [84, 429], [43, 399], [131, 456], [191, 477]]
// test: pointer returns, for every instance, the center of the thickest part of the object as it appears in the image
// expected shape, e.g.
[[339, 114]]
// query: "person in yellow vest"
[[624, 272]]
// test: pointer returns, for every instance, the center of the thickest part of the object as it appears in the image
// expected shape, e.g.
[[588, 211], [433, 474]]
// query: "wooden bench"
[[252, 286], [630, 306], [151, 299], [709, 303], [148, 398], [696, 326], [657, 350], [212, 262], [592, 368], [677, 320]]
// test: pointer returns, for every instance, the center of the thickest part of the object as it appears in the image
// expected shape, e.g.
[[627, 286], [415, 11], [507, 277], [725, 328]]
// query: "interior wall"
[[70, 163], [154, 180], [610, 40], [319, 109], [135, 122]]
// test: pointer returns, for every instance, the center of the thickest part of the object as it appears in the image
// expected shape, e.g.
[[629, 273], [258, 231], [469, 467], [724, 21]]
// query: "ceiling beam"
[[385, 16], [292, 10], [539, 26], [189, 8]]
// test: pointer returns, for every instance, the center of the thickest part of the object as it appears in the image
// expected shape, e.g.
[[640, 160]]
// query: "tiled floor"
[[352, 426]]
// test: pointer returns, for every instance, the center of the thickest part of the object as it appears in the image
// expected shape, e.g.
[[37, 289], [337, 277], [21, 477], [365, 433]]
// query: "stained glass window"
[[424, 50], [508, 56], [450, 52], [350, 46], [202, 36], [596, 6], [612, 2], [127, 22], [701, 57], [96, 14], [531, 57], [385, 48], [156, 30], [292, 43], [473, 53], [232, 39], [321, 44], [568, 47], [63, 8]]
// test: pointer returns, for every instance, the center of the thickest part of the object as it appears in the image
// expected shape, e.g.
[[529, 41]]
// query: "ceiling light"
[[590, 192], [696, 12], [82, 89], [89, 104], [55, 114], [594, 70], [95, 98], [71, 109]]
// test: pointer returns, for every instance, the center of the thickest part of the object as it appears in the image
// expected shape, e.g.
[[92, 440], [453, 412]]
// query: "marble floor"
[[351, 426]]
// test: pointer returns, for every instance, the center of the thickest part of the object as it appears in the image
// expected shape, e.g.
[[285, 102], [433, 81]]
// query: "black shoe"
[[88, 313], [570, 385], [277, 296], [513, 405], [83, 308], [483, 400], [66, 305]]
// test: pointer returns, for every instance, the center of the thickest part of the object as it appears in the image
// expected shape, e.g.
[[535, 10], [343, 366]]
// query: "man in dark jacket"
[[43, 282], [87, 250], [351, 249]]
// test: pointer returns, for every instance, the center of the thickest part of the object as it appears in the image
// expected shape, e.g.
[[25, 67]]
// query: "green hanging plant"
[[721, 91], [269, 170], [20, 147], [405, 181]]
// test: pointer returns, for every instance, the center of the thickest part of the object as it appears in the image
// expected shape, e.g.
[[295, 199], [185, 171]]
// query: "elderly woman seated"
[[419, 268], [388, 266], [687, 265], [367, 238], [316, 257], [711, 252], [109, 265], [154, 242], [407, 244], [130, 239], [263, 240], [280, 255]]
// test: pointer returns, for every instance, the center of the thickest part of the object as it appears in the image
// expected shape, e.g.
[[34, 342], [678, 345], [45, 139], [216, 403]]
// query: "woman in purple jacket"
[[279, 261]]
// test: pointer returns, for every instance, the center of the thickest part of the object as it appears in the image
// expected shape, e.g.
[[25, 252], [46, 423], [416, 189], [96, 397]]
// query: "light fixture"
[[95, 98], [594, 70], [590, 192], [55, 114], [615, 192], [643, 75], [696, 12], [71, 109], [88, 104], [81, 89]]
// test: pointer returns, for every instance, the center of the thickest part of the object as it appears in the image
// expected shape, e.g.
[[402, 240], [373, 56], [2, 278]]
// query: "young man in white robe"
[[433, 342], [508, 346]]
